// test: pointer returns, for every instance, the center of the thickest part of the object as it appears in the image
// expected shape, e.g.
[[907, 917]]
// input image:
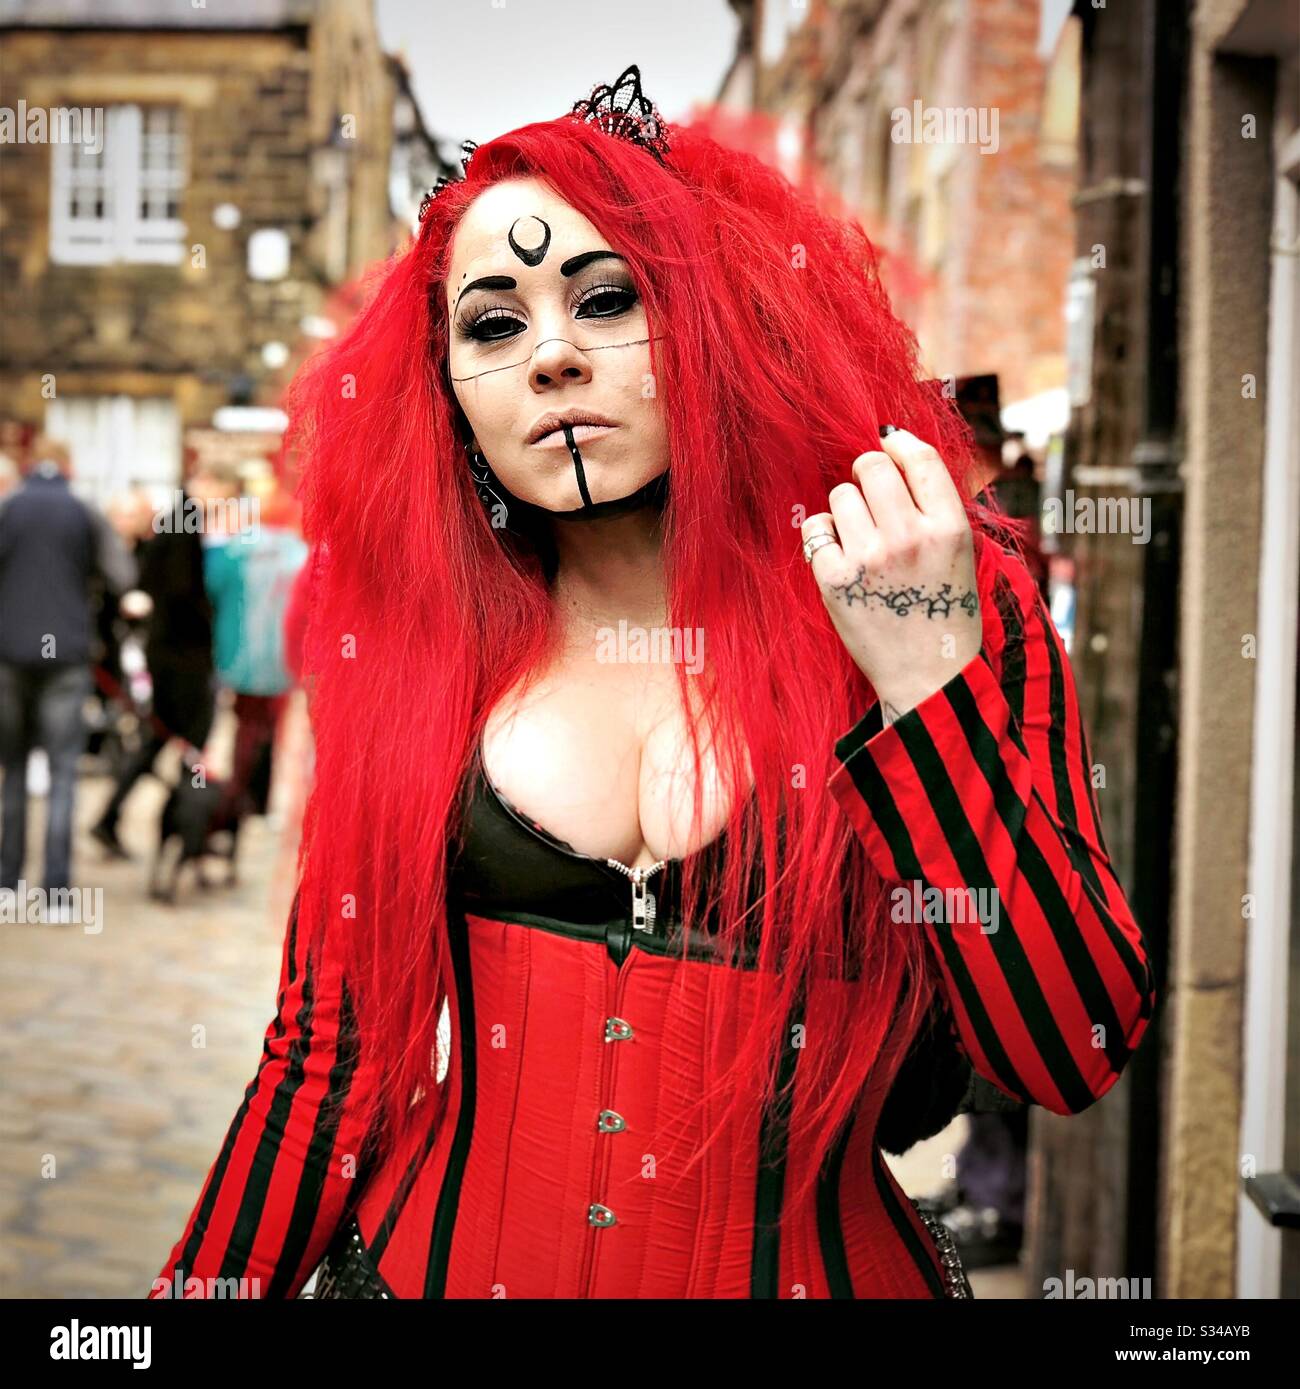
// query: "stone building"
[[952, 138], [239, 163], [1188, 248]]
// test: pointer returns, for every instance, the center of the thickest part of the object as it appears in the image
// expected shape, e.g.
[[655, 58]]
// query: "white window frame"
[[118, 442], [140, 170], [1264, 1118]]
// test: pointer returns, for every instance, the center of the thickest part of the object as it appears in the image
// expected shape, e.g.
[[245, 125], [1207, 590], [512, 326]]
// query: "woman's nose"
[[556, 359]]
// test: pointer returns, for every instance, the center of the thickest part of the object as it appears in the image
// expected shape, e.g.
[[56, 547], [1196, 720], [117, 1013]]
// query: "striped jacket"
[[574, 1026]]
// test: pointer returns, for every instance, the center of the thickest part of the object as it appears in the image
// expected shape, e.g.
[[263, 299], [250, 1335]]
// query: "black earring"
[[484, 479]]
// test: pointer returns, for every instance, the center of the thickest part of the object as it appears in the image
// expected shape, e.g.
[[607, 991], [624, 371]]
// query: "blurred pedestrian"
[[1018, 492], [178, 653], [296, 613], [988, 1218], [1011, 491], [249, 578], [115, 622], [52, 545], [13, 451], [9, 474]]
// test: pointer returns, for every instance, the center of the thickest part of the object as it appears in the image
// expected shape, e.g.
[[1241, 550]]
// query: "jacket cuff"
[[888, 776], [862, 732]]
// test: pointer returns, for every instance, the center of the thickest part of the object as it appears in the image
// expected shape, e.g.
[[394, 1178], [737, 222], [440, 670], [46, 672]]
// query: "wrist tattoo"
[[902, 600], [889, 714]]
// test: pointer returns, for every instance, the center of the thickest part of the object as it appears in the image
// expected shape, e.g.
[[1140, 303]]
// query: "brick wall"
[[980, 244]]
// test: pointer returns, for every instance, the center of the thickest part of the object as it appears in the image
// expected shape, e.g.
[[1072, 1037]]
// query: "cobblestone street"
[[114, 1102], [125, 1054]]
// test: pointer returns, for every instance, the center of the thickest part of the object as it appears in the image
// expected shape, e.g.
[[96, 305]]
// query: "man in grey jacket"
[[51, 546]]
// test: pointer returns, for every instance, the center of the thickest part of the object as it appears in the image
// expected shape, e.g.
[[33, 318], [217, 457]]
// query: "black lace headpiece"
[[625, 110], [622, 110]]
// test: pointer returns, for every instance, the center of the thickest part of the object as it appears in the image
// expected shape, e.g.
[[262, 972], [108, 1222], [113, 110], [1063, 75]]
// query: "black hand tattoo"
[[902, 601]]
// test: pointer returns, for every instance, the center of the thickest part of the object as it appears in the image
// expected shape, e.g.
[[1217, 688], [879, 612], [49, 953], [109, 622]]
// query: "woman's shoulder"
[[999, 562], [1009, 594]]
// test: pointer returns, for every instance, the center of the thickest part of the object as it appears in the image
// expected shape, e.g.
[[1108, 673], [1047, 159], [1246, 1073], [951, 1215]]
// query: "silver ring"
[[815, 542]]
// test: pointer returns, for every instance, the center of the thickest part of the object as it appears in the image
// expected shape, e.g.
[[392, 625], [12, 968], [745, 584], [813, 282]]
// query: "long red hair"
[[780, 360]]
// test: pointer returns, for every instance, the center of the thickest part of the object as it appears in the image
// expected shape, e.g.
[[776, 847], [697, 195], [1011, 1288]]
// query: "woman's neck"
[[610, 569]]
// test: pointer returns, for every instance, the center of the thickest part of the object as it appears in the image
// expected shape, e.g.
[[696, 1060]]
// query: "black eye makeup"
[[605, 301], [610, 297]]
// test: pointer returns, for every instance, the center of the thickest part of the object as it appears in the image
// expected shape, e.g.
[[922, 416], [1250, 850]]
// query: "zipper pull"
[[643, 901], [643, 904]]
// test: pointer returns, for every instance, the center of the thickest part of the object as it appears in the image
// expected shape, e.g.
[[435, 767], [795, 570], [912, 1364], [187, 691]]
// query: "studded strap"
[[955, 1281], [347, 1271]]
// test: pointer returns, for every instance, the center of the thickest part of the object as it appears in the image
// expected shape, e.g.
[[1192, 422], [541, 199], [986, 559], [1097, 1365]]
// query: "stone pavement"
[[124, 1055]]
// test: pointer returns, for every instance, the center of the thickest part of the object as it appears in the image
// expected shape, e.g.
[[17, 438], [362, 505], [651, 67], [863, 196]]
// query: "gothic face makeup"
[[549, 356]]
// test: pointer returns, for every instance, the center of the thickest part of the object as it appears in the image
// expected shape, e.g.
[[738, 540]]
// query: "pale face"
[[545, 318]]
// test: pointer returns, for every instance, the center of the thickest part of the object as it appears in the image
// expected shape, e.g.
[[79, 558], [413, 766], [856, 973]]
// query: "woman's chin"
[[603, 485]]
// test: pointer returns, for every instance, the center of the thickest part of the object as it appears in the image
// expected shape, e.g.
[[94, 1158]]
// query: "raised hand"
[[898, 572]]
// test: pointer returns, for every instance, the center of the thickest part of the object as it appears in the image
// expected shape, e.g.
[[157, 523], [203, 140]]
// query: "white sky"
[[481, 68]]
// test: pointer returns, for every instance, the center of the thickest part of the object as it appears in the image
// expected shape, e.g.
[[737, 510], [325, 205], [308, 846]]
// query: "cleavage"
[[563, 845], [597, 814]]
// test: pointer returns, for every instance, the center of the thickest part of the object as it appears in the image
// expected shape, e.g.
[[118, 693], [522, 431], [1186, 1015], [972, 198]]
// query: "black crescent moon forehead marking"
[[534, 254]]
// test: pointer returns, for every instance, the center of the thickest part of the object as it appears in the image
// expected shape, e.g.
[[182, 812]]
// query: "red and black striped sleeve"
[[294, 1157], [987, 785]]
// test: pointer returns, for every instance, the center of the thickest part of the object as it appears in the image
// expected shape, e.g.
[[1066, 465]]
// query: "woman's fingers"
[[894, 559], [892, 519], [901, 502], [928, 479], [827, 557], [854, 523]]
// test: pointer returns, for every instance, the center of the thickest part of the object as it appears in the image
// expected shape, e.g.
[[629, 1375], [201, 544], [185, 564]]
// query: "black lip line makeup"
[[652, 493], [645, 495], [577, 465]]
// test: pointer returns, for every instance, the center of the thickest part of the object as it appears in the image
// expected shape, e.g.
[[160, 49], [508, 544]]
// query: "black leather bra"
[[507, 865]]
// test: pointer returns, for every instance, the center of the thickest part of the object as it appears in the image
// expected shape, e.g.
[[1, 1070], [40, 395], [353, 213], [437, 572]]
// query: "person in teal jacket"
[[249, 577]]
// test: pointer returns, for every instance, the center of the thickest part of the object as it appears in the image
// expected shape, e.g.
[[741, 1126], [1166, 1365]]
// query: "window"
[[120, 203], [118, 441]]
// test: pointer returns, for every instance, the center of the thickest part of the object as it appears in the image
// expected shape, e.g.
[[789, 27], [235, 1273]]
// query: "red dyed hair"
[[780, 360]]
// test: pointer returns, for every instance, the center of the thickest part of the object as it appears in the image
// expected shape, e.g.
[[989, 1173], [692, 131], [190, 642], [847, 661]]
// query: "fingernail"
[[887, 429]]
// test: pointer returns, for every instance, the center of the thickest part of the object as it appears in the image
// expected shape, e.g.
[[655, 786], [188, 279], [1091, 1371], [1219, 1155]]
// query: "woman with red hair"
[[714, 860]]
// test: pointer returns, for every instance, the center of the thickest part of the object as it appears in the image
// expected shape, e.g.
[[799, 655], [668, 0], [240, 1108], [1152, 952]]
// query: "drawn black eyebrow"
[[488, 282], [567, 268], [576, 263]]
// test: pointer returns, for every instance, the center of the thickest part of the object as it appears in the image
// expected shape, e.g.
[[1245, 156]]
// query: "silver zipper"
[[643, 902]]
